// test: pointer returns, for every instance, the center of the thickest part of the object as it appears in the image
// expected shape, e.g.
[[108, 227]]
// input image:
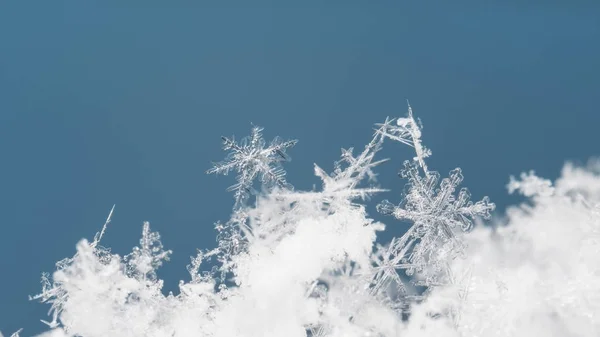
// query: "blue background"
[[103, 105]]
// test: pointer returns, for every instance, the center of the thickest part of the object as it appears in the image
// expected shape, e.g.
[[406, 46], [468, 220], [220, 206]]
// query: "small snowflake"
[[251, 159]]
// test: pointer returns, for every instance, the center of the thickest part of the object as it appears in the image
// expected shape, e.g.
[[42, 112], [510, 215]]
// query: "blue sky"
[[103, 105]]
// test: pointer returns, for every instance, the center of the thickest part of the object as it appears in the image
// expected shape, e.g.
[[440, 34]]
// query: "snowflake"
[[251, 159], [435, 212]]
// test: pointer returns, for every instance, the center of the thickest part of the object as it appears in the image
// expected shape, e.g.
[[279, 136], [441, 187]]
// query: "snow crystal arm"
[[349, 171], [17, 333], [362, 165], [99, 235], [406, 131]]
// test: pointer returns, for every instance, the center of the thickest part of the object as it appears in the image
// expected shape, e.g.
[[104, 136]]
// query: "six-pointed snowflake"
[[251, 159], [436, 213]]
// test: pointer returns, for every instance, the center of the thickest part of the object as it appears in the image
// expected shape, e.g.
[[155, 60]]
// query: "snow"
[[307, 263]]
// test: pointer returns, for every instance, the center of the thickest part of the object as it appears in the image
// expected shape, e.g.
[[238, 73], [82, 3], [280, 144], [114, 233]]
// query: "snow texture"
[[307, 263]]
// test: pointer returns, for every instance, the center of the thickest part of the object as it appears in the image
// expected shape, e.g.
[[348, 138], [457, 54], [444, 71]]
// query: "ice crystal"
[[435, 212], [143, 261], [14, 334], [341, 186], [252, 159], [54, 293], [406, 131], [232, 240], [385, 268]]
